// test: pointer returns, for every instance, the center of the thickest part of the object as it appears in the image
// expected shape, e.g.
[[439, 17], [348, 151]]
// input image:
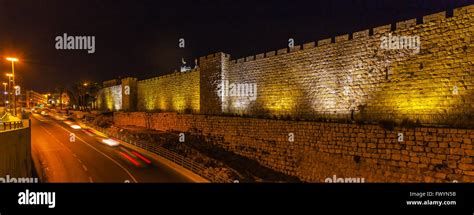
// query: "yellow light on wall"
[[409, 104], [282, 103], [163, 104], [178, 102]]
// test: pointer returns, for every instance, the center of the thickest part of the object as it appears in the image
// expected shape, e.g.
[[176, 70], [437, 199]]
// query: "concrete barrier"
[[15, 152]]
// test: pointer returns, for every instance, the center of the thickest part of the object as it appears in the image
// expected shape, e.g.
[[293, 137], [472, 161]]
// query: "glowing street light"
[[13, 60], [83, 96], [5, 94]]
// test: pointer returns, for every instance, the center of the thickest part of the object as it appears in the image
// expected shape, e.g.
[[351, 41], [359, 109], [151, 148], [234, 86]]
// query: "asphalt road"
[[64, 154]]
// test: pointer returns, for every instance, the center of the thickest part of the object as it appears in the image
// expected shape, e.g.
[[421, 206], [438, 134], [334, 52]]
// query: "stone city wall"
[[321, 150], [414, 69]]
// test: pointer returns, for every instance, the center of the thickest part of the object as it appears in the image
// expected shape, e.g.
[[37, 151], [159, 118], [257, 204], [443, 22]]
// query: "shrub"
[[408, 123], [387, 124]]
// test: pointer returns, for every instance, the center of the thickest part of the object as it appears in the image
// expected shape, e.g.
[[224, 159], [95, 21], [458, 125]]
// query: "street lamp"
[[9, 93], [83, 96], [13, 60], [5, 94]]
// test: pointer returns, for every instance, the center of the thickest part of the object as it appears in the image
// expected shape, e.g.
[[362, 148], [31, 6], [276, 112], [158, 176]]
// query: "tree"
[[82, 95], [60, 90]]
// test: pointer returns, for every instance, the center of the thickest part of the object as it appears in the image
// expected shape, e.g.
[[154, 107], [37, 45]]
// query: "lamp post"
[[13, 60], [10, 90], [84, 102], [16, 90], [5, 94]]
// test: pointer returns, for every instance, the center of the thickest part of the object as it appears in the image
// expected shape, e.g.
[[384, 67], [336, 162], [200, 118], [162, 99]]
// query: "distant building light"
[[185, 68]]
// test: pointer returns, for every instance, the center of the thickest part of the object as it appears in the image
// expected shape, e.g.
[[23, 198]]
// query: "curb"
[[183, 171]]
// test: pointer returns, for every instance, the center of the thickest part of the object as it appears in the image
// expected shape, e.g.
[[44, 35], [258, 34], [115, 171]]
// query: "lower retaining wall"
[[327, 150], [15, 153]]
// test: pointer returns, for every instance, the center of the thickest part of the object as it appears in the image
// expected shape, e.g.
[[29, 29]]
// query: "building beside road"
[[57, 99], [31, 99]]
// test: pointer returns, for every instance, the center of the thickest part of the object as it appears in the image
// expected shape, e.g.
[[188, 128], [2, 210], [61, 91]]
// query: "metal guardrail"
[[4, 116], [12, 125], [169, 155]]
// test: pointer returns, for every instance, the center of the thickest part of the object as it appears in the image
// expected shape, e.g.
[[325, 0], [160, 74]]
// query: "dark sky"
[[140, 38]]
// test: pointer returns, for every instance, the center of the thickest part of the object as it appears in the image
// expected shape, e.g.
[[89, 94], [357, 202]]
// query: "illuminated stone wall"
[[352, 72], [129, 95], [343, 77], [321, 150], [174, 92], [335, 77], [110, 98]]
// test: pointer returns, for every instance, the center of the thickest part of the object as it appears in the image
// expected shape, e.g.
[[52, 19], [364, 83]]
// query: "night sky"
[[140, 38]]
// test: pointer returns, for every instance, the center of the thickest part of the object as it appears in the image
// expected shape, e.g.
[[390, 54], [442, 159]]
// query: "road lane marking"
[[113, 160], [37, 117], [56, 139], [51, 150]]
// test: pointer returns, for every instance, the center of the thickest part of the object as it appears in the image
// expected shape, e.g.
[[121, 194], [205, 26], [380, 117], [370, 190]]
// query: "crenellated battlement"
[[363, 34], [175, 73], [352, 74]]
